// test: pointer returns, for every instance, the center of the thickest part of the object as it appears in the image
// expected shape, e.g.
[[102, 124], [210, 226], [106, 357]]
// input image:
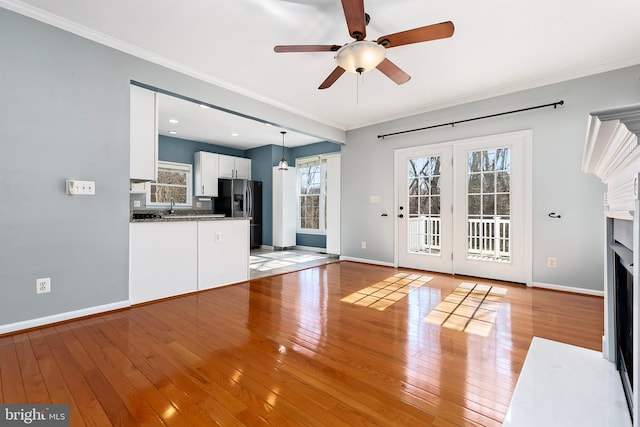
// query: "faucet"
[[173, 205]]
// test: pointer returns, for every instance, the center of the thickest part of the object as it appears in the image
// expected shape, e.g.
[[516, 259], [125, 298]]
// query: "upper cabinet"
[[205, 167], [143, 135], [234, 167], [208, 167]]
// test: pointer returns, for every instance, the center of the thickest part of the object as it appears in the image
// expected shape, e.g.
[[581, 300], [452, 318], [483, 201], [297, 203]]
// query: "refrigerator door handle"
[[249, 200]]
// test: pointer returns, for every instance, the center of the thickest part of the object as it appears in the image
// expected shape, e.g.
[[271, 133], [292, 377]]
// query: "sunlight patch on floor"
[[471, 308], [387, 292]]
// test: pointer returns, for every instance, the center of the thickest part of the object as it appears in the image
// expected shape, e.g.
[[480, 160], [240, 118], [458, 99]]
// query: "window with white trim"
[[312, 194], [174, 182]]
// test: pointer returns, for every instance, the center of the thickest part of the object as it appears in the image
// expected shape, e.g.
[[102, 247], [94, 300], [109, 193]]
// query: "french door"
[[425, 197], [464, 207]]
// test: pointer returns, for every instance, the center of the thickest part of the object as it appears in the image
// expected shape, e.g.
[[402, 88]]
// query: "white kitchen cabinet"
[[243, 168], [223, 252], [143, 135], [284, 207], [234, 167], [163, 259], [205, 167]]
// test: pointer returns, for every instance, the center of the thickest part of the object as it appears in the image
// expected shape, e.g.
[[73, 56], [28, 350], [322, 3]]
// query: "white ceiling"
[[221, 128], [499, 46]]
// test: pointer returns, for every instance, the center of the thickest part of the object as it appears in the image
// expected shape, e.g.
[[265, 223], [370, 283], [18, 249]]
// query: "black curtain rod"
[[553, 104]]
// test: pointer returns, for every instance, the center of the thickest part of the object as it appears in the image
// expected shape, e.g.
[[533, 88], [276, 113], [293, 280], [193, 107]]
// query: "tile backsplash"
[[205, 203]]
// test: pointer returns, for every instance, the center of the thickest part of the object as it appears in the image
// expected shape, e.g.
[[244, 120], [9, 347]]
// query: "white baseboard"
[[311, 248], [572, 289], [366, 261], [61, 317]]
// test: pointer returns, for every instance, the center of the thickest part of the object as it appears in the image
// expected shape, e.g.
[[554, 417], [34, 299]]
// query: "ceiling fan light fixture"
[[283, 166], [360, 56]]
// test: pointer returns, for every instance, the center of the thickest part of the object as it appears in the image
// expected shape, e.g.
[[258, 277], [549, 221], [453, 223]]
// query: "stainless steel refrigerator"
[[241, 198]]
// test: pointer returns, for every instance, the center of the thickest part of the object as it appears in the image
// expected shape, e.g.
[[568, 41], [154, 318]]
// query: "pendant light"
[[283, 166]]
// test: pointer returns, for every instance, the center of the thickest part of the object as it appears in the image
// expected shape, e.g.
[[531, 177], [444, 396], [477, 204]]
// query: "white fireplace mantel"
[[611, 153]]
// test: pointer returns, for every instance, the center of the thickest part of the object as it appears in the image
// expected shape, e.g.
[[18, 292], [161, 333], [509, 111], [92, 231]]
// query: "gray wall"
[[65, 114], [182, 150], [559, 185]]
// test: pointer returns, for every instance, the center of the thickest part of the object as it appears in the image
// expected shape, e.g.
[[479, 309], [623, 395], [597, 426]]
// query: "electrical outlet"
[[551, 262], [363, 245], [136, 203], [43, 285], [198, 204]]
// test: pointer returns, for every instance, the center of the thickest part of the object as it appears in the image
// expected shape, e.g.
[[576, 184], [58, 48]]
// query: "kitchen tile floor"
[[269, 262]]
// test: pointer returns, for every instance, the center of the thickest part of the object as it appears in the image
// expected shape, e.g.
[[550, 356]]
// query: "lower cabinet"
[[163, 260], [178, 257], [223, 253]]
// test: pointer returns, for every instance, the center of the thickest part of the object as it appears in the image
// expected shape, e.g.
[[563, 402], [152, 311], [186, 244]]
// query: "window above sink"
[[174, 182]]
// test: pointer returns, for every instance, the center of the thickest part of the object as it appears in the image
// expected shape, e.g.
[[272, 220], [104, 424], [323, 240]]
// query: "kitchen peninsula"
[[177, 254]]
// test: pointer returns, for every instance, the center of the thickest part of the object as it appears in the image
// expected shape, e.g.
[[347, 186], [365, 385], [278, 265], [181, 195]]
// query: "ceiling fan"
[[363, 55]]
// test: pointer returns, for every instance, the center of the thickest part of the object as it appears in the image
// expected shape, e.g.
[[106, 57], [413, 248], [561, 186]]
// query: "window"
[[312, 195], [174, 182]]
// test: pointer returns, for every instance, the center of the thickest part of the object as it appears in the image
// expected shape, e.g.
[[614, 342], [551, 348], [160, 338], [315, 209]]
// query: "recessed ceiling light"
[[204, 106], [174, 121], [235, 134], [173, 132]]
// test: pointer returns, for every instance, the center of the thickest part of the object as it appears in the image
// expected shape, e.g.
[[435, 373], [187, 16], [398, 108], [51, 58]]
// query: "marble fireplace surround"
[[611, 153]]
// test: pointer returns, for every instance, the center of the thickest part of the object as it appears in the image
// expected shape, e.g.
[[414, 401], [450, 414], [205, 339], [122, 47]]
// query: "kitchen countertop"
[[181, 216], [195, 218]]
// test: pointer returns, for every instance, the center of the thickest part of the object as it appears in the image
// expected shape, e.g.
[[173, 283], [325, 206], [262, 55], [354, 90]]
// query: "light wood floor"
[[285, 351]]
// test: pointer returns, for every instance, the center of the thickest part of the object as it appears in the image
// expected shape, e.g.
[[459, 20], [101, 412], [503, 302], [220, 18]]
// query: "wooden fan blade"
[[335, 75], [417, 35], [356, 21], [306, 48], [392, 71]]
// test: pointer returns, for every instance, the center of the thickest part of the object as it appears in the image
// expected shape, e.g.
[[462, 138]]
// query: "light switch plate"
[[81, 188]]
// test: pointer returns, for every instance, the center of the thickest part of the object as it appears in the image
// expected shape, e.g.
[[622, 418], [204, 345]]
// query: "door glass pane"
[[435, 205], [424, 186], [488, 204], [413, 186], [473, 185], [435, 186], [473, 162], [502, 182], [423, 229]]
